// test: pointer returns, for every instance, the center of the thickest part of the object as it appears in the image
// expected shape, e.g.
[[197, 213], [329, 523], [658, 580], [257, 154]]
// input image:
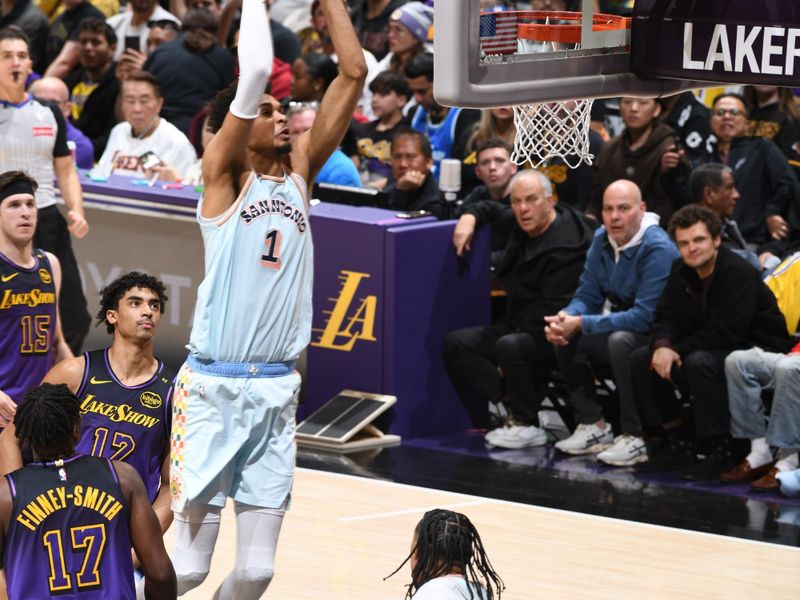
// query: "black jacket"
[[498, 213], [98, 116], [767, 185], [541, 284], [740, 310], [428, 197]]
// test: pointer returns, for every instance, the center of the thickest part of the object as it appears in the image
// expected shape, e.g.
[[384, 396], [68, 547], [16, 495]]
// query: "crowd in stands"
[[645, 269]]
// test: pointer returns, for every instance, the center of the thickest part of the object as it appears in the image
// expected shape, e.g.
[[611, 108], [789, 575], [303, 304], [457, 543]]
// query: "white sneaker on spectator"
[[516, 436], [588, 438], [625, 451]]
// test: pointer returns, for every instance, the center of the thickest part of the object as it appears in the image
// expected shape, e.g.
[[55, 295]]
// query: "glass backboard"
[[500, 53]]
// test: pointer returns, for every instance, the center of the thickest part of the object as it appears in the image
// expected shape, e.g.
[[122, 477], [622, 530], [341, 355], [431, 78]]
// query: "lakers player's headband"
[[20, 186]]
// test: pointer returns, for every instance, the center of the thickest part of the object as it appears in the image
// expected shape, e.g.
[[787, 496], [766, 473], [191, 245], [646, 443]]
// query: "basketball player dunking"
[[236, 395]]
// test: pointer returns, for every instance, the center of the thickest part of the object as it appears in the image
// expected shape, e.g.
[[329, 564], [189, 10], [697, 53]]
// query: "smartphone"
[[133, 42], [150, 160], [414, 214]]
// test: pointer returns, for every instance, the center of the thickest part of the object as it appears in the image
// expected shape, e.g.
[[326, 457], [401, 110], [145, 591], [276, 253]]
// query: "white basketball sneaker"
[[588, 438], [625, 451], [516, 436]]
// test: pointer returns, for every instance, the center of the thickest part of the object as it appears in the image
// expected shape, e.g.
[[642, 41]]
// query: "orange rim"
[[567, 33]]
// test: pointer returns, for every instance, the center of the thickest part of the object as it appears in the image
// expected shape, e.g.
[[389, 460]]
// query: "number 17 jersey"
[[127, 423], [68, 534]]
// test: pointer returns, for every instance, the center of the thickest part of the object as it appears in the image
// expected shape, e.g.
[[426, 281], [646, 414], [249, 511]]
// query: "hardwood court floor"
[[343, 534]]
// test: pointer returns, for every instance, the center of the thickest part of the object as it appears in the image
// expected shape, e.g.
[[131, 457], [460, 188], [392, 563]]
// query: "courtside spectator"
[[371, 21], [775, 115], [495, 170], [413, 187], [609, 317], [712, 186], [54, 90], [539, 271], [390, 93], [32, 22], [638, 155], [714, 303], [766, 182], [442, 125], [338, 169], [133, 25], [63, 47], [144, 143], [689, 118], [408, 35], [191, 69], [94, 85]]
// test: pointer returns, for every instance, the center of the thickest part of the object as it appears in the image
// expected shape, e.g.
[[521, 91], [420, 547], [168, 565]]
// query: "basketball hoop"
[[551, 130]]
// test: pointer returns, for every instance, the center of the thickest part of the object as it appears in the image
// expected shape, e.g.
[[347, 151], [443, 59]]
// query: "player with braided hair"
[[78, 511], [50, 421], [448, 561]]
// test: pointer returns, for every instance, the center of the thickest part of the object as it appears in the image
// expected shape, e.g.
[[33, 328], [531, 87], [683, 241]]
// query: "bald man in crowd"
[[609, 316], [54, 91]]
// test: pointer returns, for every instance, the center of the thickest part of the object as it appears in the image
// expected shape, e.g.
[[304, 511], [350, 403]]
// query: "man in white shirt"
[[132, 26], [144, 143]]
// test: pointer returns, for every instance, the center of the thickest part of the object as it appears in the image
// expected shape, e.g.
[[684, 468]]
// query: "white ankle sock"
[[787, 460], [759, 453]]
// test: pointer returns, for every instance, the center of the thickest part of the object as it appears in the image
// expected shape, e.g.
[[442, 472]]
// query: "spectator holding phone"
[[133, 26], [145, 144]]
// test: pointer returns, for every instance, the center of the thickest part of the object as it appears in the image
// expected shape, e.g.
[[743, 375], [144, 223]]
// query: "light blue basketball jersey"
[[254, 304]]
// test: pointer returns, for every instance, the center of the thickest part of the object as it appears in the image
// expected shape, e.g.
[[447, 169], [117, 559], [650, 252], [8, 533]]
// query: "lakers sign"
[[351, 316], [736, 41]]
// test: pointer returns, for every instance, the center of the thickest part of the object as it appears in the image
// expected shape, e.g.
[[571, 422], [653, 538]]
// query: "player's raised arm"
[[224, 159], [340, 100]]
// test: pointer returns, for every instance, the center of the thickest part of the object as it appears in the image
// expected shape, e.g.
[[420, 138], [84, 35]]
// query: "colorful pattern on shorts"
[[178, 434]]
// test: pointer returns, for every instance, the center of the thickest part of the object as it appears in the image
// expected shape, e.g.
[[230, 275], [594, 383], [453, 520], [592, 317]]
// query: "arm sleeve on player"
[[255, 59]]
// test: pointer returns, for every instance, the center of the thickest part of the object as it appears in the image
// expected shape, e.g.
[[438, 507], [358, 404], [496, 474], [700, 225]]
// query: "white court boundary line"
[[417, 510], [481, 500]]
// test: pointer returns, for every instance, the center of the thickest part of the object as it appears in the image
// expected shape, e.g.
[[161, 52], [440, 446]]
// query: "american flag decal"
[[498, 32]]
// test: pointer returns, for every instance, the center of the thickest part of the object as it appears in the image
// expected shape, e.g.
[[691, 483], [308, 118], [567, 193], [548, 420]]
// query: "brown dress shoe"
[[768, 483], [744, 472]]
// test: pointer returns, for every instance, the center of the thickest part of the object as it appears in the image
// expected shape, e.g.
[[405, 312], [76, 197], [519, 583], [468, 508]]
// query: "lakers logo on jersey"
[[352, 323], [150, 400], [45, 276]]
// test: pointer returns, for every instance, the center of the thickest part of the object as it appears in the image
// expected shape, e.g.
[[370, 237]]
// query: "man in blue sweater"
[[610, 316]]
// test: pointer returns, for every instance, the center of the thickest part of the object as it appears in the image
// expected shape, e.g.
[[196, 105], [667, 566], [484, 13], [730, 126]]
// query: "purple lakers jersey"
[[68, 535], [131, 424], [27, 324]]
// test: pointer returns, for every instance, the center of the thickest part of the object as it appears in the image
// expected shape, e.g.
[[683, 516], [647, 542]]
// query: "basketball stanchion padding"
[[344, 423]]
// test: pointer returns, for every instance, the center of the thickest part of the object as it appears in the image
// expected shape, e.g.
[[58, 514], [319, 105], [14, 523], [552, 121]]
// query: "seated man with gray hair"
[[539, 272]]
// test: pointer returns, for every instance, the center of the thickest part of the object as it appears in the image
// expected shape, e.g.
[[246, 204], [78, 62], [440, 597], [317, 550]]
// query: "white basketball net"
[[553, 129]]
